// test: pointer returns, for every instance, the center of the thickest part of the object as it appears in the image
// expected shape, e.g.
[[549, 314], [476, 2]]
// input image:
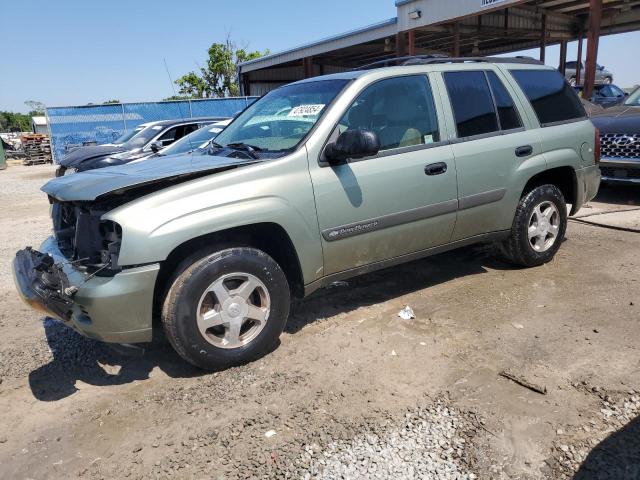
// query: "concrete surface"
[[351, 382]]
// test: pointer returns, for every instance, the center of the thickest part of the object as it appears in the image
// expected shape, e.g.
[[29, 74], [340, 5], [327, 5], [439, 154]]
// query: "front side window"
[[550, 95], [401, 111], [472, 103], [281, 119]]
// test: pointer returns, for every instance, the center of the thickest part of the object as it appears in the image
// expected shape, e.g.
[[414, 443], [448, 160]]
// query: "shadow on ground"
[[76, 358], [619, 194], [383, 285], [615, 458]]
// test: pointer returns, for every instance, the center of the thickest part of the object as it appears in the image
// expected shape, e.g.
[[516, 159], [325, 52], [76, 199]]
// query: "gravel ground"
[[353, 391]]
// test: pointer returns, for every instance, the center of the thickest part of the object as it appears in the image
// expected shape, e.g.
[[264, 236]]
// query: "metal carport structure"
[[456, 28]]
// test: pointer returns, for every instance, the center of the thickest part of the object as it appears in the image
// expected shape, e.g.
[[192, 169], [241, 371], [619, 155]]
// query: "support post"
[[563, 57], [411, 42], [579, 62], [593, 39], [307, 63], [506, 19], [456, 40], [246, 85], [543, 37], [400, 45]]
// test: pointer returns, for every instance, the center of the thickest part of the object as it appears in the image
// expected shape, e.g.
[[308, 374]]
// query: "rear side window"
[[472, 103], [550, 95], [507, 113]]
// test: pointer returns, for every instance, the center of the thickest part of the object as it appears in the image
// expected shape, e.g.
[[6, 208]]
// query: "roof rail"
[[435, 59]]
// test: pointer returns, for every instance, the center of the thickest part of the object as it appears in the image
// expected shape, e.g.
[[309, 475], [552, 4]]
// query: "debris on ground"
[[407, 313], [523, 382]]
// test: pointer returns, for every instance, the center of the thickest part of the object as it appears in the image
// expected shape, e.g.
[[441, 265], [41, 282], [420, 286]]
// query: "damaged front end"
[[88, 242], [43, 284], [85, 243]]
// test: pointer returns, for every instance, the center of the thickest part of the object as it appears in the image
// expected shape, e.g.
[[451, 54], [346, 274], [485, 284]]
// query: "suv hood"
[[162, 172], [620, 119], [81, 154]]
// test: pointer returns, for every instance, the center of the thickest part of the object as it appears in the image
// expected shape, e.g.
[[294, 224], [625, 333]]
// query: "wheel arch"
[[564, 178], [269, 237]]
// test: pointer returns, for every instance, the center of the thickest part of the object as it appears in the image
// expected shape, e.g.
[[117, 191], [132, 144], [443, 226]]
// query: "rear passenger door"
[[399, 201], [490, 144]]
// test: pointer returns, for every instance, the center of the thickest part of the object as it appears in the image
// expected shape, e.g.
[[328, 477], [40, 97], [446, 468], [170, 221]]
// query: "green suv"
[[317, 181]]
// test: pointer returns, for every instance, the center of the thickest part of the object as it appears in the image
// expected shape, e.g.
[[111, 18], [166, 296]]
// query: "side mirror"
[[156, 147], [352, 144]]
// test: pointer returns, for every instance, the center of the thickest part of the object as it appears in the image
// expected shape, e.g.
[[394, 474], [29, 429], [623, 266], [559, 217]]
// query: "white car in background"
[[195, 142]]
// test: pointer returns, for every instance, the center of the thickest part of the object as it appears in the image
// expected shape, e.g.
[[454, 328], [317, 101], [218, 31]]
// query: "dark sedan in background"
[[145, 141], [620, 140]]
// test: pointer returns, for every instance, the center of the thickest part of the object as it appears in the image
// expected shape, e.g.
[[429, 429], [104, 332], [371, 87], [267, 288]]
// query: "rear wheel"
[[226, 308], [538, 227], [607, 80]]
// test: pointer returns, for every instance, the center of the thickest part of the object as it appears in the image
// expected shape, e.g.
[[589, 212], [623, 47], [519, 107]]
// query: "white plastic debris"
[[406, 313], [517, 325], [269, 433], [393, 353]]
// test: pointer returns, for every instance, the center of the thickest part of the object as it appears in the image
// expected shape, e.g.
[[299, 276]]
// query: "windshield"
[[282, 118], [194, 141], [141, 138], [634, 98], [127, 135]]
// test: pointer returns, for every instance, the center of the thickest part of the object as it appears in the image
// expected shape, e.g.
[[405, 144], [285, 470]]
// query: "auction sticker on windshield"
[[306, 110]]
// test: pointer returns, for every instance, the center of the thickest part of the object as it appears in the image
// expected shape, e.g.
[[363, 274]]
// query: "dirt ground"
[[350, 380]]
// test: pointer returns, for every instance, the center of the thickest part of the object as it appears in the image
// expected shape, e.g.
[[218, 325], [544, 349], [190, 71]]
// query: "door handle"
[[524, 151], [435, 168]]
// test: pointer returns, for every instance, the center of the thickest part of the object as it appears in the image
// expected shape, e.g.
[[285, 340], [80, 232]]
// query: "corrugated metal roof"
[[354, 37]]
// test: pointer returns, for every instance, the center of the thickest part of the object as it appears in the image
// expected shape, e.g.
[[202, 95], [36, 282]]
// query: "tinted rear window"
[[550, 95], [472, 103], [509, 118]]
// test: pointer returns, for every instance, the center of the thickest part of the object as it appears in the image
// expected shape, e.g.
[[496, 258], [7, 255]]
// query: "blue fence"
[[71, 127]]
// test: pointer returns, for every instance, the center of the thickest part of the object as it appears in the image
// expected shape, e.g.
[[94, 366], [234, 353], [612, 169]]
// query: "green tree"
[[14, 122], [36, 108], [218, 77]]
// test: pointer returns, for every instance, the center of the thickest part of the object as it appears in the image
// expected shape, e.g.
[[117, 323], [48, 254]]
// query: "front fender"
[[153, 226]]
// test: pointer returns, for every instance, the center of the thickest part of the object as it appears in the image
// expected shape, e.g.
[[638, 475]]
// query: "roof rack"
[[438, 58]]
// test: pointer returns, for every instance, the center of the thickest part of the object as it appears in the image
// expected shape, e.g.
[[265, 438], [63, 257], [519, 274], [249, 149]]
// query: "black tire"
[[179, 312], [517, 249], [60, 171]]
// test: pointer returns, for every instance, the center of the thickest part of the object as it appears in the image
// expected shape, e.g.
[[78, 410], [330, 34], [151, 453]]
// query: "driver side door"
[[400, 201]]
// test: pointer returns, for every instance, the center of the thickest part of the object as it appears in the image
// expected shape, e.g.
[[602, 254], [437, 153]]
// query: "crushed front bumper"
[[114, 309]]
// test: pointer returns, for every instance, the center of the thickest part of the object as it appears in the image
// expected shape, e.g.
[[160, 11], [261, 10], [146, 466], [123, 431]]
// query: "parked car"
[[591, 108], [162, 133], [194, 142], [603, 76], [317, 181], [606, 95], [620, 139]]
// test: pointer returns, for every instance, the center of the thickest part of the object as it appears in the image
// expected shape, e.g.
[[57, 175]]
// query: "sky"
[[74, 52]]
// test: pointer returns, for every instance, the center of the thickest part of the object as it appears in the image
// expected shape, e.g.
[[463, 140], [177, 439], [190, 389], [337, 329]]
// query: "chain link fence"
[[72, 127]]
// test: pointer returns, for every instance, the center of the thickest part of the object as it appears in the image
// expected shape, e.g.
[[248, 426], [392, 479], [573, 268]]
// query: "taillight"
[[597, 147]]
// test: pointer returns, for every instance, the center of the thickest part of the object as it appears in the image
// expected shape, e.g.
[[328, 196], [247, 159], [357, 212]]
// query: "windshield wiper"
[[244, 147]]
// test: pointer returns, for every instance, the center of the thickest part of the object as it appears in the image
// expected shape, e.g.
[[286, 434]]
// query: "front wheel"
[[226, 308], [538, 227]]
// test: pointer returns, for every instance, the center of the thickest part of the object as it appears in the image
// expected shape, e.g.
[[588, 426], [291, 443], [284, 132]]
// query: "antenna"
[[173, 87]]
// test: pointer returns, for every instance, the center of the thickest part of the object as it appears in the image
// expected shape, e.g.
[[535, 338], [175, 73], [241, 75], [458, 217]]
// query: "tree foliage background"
[[218, 77]]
